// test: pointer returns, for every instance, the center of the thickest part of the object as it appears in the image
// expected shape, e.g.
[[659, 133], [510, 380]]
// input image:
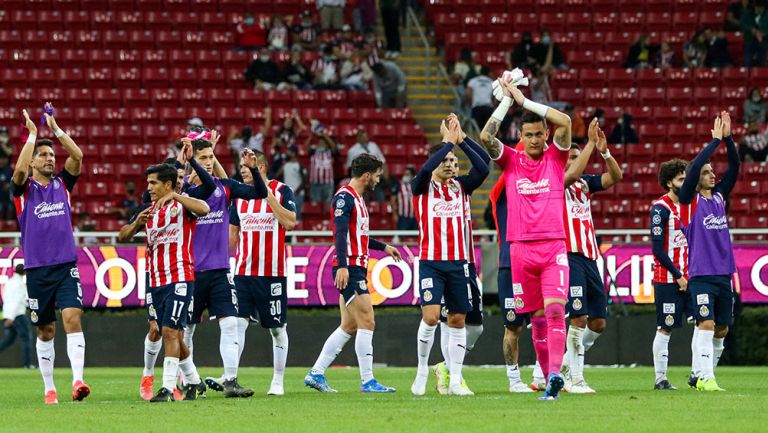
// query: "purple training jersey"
[[211, 240], [709, 239]]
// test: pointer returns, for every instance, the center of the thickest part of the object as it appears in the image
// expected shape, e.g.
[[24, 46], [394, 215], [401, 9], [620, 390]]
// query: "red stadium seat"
[[652, 96], [136, 98], [163, 98]]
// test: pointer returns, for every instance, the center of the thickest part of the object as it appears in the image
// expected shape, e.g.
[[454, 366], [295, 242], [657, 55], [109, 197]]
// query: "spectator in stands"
[[278, 34], [347, 42], [754, 25], [540, 90], [355, 72], [372, 47], [321, 156], [623, 132], [755, 107], [279, 156], [85, 224], [246, 139], [297, 74], [640, 54], [695, 50], [510, 127], [665, 57], [7, 209], [305, 34], [363, 145], [291, 128], [294, 175], [733, 17], [364, 15], [717, 50], [389, 85], [5, 147], [522, 55], [754, 144], [599, 113], [263, 73], [478, 96], [401, 200], [578, 129], [547, 52], [461, 75], [250, 34], [390, 18], [127, 205], [326, 70], [331, 14]]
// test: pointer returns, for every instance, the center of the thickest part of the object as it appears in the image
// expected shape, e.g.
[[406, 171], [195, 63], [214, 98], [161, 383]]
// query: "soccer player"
[[670, 267], [536, 196], [350, 225], [439, 199], [214, 287], [474, 319], [711, 261], [587, 300], [257, 230], [43, 207], [170, 226]]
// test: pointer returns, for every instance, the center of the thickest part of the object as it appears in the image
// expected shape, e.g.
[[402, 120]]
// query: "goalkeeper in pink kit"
[[535, 228]]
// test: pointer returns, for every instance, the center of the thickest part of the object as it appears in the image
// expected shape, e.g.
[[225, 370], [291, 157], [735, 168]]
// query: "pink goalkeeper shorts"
[[539, 272]]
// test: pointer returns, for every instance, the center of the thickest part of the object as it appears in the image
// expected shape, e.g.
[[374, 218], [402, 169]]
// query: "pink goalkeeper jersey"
[[535, 194]]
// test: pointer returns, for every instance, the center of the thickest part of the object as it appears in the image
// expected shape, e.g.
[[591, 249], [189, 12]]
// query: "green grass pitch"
[[624, 403]]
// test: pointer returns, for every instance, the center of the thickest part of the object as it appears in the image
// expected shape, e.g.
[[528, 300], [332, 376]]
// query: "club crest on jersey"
[[453, 187], [56, 184], [174, 211], [181, 289], [517, 289], [657, 219], [669, 320], [577, 304], [33, 317], [702, 299], [577, 291], [427, 296], [276, 289], [217, 193], [509, 303], [519, 304], [361, 284], [33, 304], [669, 308], [511, 315], [704, 311]]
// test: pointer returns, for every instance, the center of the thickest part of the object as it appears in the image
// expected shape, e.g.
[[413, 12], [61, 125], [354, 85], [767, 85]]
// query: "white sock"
[[444, 343], [538, 375], [242, 326], [424, 340], [76, 354], [279, 352], [718, 345], [364, 351], [45, 359], [189, 371], [151, 349], [705, 351], [660, 356], [170, 372], [513, 374], [228, 346], [189, 333], [331, 349], [575, 352], [589, 339], [694, 354], [473, 333], [457, 348]]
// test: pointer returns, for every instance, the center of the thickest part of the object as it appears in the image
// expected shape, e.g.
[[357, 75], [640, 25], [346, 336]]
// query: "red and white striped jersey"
[[347, 201], [579, 225], [469, 237], [321, 166], [442, 222], [679, 215], [405, 200], [170, 257]]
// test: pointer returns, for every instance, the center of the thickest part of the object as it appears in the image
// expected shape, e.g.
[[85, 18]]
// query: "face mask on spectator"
[[264, 59], [3, 139], [755, 98], [249, 21], [406, 178], [545, 40]]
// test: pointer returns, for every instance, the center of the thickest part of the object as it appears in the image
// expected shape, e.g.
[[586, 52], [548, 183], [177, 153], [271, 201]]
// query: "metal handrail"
[[413, 21]]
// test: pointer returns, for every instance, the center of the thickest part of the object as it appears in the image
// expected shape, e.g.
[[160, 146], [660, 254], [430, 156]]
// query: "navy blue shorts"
[[587, 292], [712, 298], [214, 291], [263, 300], [171, 304], [446, 283], [507, 300], [673, 307], [475, 316], [357, 285], [53, 287]]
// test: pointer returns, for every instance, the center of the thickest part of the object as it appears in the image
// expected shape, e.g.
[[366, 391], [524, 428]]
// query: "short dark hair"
[[171, 161], [261, 158], [433, 149], [365, 163], [531, 117], [200, 144], [41, 143], [164, 172], [670, 169]]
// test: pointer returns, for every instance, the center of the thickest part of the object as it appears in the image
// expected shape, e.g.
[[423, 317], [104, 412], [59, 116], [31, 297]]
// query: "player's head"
[[161, 179], [706, 178], [261, 166], [448, 167], [367, 168], [43, 158], [672, 174], [573, 155], [533, 133], [179, 173], [203, 151]]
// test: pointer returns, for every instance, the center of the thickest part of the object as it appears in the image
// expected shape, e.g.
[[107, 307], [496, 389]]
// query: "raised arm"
[[576, 169], [477, 173], [688, 190], [241, 190], [726, 184], [614, 173], [74, 161], [218, 169], [21, 170], [488, 138], [198, 207]]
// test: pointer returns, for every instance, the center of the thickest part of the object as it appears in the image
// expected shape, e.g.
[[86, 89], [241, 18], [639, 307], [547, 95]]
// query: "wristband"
[[606, 155], [31, 138], [502, 109], [58, 132], [535, 107]]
